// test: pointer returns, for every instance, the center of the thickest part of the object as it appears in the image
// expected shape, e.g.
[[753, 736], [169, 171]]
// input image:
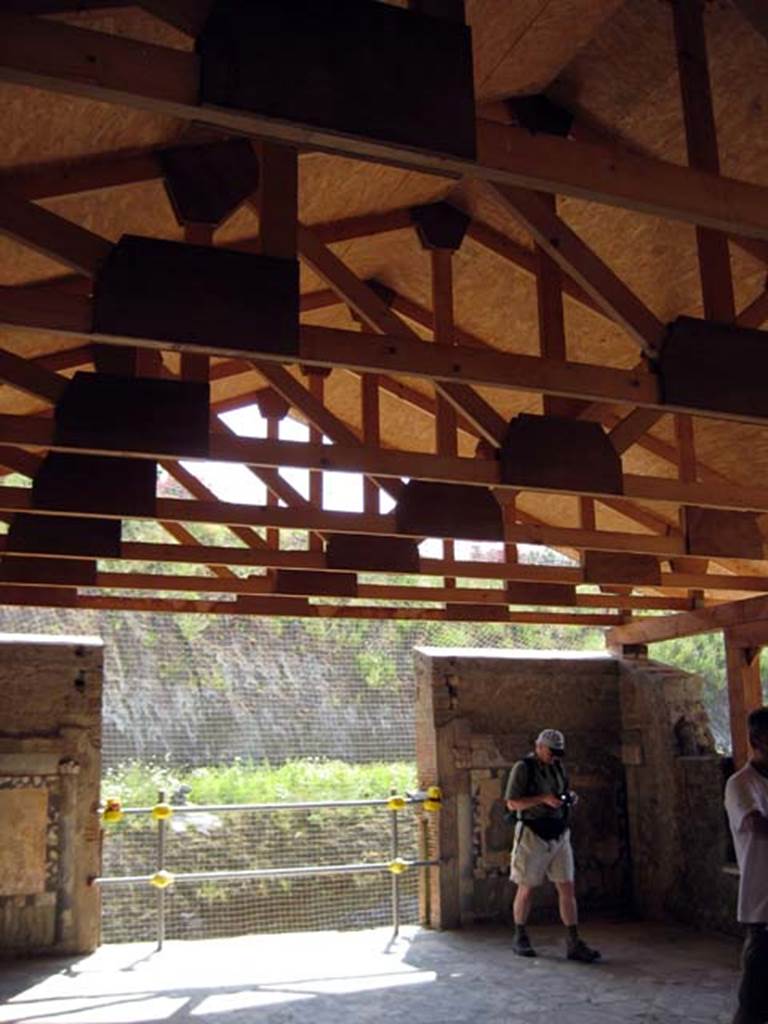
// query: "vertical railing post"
[[395, 875], [162, 826], [425, 912]]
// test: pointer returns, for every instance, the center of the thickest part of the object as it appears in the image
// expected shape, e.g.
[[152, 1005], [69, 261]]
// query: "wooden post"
[[744, 694], [371, 435], [317, 390], [278, 200], [701, 136], [549, 296]]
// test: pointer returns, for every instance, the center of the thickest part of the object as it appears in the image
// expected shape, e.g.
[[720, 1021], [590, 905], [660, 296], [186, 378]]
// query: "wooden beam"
[[32, 432], [754, 11], [370, 414], [37, 228], [31, 378], [549, 301], [372, 592], [583, 265], [13, 499], [446, 423], [634, 426], [686, 449], [756, 313], [78, 61], [745, 694], [186, 15], [703, 620], [287, 607], [191, 552], [70, 314], [277, 200]]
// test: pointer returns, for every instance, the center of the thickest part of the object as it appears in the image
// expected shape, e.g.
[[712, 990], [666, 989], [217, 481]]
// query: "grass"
[[242, 782]]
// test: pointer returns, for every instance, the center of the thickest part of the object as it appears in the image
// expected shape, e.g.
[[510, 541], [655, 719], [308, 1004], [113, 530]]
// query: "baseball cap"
[[553, 739]]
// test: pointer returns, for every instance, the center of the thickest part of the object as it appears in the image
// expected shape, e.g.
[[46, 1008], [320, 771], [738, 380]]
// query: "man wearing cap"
[[537, 792]]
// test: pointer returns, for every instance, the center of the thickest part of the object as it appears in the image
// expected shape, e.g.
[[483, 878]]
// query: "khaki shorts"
[[535, 859]]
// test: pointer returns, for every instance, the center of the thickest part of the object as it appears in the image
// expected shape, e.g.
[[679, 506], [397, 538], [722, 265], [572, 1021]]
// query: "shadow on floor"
[[650, 973]]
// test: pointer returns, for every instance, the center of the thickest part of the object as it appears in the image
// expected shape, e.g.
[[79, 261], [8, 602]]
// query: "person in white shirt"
[[746, 801]]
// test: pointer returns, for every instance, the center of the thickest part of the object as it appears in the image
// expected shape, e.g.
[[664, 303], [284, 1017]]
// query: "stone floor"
[[650, 973]]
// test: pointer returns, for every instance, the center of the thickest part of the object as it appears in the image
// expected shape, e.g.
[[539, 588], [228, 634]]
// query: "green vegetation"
[[138, 784]]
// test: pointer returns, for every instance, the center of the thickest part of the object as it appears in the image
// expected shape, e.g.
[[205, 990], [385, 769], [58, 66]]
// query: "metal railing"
[[429, 800]]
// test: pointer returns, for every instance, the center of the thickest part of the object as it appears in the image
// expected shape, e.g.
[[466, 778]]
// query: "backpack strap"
[[528, 761]]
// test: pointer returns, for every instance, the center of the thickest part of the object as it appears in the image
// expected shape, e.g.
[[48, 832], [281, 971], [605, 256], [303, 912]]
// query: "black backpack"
[[512, 817]]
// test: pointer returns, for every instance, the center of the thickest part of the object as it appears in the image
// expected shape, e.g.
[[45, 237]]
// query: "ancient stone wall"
[[480, 711], [50, 741], [678, 830]]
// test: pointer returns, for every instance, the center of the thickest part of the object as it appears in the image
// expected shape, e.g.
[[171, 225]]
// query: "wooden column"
[[744, 694], [371, 435], [316, 381], [441, 230], [446, 424], [549, 296], [195, 365], [701, 139], [278, 200]]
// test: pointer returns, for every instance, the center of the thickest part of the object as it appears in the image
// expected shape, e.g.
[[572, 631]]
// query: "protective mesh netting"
[[218, 710]]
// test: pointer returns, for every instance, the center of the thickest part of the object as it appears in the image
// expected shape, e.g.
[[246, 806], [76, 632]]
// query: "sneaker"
[[522, 946], [579, 950]]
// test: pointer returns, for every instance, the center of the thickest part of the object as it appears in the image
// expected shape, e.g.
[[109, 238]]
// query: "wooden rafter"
[[54, 236], [583, 265]]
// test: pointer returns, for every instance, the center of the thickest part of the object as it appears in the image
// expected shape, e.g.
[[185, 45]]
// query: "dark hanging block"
[[64, 535], [207, 183], [120, 360], [555, 453], [714, 366], [450, 9], [537, 113], [715, 531], [440, 226], [621, 567], [372, 554], [449, 510], [358, 67], [134, 414], [541, 593], [271, 404], [76, 572], [315, 584], [198, 296], [96, 483]]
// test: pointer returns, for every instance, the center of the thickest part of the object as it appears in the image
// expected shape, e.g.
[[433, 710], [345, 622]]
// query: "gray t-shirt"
[[531, 777]]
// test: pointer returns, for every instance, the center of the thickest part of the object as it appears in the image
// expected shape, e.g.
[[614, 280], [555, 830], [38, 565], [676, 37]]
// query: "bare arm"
[[532, 801]]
